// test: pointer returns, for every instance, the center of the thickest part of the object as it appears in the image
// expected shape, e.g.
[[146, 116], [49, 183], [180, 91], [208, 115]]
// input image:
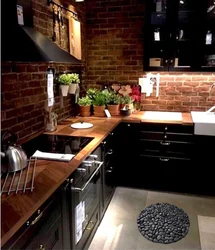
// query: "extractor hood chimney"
[[23, 43]]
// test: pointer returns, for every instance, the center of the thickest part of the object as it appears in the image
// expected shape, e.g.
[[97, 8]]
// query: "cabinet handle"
[[37, 218], [90, 225], [164, 159], [85, 185], [41, 247], [165, 143], [110, 152]]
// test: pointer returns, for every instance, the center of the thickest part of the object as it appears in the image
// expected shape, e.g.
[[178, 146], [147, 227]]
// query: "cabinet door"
[[42, 231], [179, 35], [156, 36], [164, 173], [207, 46], [126, 150], [49, 237]]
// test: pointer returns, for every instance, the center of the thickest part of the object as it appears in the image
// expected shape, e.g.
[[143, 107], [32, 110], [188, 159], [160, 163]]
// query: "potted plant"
[[99, 103], [85, 106], [113, 102], [75, 80], [64, 80], [126, 100]]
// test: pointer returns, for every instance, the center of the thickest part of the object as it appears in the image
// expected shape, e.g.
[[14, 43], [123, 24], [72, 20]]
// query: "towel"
[[53, 156]]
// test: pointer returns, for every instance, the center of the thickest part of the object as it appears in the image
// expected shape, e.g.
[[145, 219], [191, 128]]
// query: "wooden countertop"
[[16, 209]]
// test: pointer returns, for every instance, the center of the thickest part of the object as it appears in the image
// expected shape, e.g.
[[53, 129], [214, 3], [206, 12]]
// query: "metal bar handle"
[[164, 159], [37, 219], [165, 143], [85, 185], [110, 152]]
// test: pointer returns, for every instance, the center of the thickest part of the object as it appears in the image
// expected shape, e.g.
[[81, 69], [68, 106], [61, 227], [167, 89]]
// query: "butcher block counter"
[[16, 209]]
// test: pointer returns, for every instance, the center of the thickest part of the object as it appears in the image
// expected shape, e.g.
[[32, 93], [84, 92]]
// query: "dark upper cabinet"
[[179, 35]]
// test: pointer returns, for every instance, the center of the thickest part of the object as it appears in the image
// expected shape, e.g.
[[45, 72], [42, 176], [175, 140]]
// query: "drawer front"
[[164, 173], [166, 136], [166, 148], [163, 127]]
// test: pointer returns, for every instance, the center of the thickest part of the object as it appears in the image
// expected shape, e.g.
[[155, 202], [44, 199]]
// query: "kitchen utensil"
[[54, 25], [13, 158]]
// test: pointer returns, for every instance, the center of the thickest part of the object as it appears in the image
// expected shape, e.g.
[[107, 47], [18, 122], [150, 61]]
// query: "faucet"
[[210, 109], [211, 88]]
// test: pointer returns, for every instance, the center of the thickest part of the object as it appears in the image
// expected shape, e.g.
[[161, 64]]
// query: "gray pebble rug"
[[163, 223]]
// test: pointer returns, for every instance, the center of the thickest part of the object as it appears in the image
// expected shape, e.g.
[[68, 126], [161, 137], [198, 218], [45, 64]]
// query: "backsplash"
[[182, 92], [24, 93]]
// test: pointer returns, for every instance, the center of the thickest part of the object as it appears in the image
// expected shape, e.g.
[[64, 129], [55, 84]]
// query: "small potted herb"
[[113, 102], [99, 103], [75, 80], [85, 106], [64, 81]]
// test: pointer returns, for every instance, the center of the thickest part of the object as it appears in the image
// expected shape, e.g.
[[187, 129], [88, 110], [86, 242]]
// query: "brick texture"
[[112, 51], [24, 85], [115, 48]]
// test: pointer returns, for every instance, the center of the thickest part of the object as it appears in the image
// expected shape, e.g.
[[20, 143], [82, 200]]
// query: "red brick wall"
[[115, 55], [182, 92], [24, 85], [24, 93]]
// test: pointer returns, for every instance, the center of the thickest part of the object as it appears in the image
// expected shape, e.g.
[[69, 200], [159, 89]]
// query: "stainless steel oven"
[[84, 200]]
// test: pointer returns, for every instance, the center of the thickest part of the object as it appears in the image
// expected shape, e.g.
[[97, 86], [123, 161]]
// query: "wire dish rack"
[[19, 181]]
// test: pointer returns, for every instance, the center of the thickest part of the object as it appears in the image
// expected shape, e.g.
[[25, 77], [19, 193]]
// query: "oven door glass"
[[85, 199]]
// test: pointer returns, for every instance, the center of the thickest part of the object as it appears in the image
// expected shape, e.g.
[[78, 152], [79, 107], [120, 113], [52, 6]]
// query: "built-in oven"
[[83, 201]]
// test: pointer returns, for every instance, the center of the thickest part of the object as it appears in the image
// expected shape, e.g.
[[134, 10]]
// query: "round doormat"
[[163, 223]]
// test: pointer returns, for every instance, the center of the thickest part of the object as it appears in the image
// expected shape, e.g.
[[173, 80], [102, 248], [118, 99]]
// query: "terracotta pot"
[[113, 109], [84, 110], [99, 111]]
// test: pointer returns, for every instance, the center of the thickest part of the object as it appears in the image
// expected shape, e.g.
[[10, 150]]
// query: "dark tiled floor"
[[118, 229]]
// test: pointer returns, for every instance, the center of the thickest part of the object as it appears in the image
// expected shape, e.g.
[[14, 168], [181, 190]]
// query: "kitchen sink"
[[204, 122], [157, 115]]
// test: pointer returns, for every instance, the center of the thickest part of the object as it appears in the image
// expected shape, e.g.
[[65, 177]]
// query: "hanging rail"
[[74, 14]]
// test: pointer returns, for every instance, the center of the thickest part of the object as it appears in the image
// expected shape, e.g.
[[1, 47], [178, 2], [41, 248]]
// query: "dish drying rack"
[[19, 181]]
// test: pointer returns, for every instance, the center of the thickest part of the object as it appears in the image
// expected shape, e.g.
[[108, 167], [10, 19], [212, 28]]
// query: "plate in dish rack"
[[82, 125]]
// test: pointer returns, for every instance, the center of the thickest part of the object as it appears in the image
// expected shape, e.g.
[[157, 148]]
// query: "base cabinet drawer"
[[42, 231], [164, 173]]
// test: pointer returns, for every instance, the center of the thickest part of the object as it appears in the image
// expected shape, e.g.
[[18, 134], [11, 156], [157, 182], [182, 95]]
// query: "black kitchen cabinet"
[[205, 159], [126, 149], [108, 158], [42, 231], [179, 35], [166, 156]]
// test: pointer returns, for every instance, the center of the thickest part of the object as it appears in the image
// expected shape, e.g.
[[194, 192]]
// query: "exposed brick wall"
[[23, 95], [24, 85], [182, 92], [114, 37], [115, 48]]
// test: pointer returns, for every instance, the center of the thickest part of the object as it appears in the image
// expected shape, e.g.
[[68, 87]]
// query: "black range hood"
[[24, 43]]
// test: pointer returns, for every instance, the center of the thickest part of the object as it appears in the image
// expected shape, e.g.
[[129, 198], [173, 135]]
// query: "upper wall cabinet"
[[179, 35]]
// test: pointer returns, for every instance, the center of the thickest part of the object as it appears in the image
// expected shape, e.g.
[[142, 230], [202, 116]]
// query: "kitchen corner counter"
[[18, 208]]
